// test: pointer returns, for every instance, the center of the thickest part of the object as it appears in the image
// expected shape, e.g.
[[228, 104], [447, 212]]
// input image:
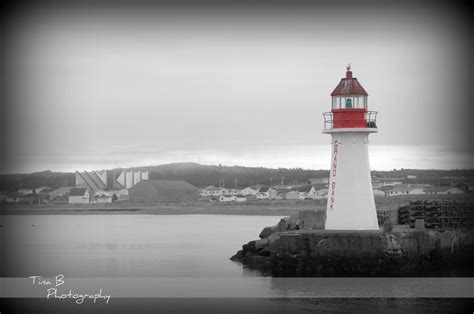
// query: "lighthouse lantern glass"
[[349, 102]]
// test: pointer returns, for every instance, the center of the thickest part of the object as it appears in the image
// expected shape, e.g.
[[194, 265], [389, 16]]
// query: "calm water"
[[179, 262], [127, 245]]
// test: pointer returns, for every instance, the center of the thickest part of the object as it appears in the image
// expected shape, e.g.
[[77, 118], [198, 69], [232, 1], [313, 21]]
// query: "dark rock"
[[357, 253], [267, 231], [249, 247], [238, 256], [260, 244], [282, 225]]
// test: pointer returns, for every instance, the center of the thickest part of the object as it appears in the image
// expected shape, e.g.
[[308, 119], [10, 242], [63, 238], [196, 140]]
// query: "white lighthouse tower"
[[351, 204]]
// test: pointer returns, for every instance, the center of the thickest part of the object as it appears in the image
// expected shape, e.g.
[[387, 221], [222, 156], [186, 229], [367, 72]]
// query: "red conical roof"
[[349, 86]]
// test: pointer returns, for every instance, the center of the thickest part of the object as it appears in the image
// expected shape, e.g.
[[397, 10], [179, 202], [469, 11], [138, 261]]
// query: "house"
[[211, 191], [405, 189], [43, 190], [263, 193], [321, 194], [102, 199], [274, 194], [444, 190], [79, 196], [150, 191], [306, 192], [235, 192], [9, 197], [60, 194], [25, 191], [251, 190], [291, 195], [378, 192]]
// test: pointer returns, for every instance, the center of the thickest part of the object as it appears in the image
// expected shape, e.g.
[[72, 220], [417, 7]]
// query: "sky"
[[101, 86]]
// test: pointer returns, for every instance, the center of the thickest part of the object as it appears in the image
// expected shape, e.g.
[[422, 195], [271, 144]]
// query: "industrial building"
[[129, 178], [150, 191]]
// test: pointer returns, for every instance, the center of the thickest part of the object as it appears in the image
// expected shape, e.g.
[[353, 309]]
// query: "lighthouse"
[[351, 204]]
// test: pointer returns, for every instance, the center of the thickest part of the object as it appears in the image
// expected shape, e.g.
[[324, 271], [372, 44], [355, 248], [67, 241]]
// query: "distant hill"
[[203, 175]]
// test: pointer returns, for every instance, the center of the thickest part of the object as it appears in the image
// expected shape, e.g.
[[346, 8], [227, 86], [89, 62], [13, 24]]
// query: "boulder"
[[267, 231], [282, 225], [260, 244], [238, 256], [249, 247]]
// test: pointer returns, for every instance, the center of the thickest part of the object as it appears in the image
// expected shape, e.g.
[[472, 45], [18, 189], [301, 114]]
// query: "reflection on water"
[[127, 245]]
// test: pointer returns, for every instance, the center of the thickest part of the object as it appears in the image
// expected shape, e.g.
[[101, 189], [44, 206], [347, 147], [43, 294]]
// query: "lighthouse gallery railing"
[[370, 120]]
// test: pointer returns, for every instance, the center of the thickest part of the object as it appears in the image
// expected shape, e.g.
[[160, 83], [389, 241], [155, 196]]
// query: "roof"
[[439, 188], [264, 189], [408, 187], [168, 184], [77, 192], [255, 187], [61, 190], [92, 180], [305, 188], [349, 86]]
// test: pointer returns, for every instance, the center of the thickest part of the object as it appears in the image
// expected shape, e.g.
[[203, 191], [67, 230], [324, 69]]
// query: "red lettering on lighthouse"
[[333, 188], [334, 171]]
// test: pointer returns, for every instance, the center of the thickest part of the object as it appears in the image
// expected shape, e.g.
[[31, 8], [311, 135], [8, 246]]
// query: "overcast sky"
[[93, 87]]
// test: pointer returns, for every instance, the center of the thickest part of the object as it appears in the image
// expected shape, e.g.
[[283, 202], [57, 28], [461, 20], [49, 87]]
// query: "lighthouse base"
[[351, 203]]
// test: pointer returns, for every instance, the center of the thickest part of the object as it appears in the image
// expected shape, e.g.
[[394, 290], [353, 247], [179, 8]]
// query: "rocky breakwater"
[[299, 246]]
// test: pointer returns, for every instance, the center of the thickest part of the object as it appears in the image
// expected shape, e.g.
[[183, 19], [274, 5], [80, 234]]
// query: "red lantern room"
[[349, 105]]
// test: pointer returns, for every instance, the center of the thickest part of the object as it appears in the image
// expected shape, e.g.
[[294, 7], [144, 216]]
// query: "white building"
[[79, 196], [9, 198], [129, 178], [379, 192], [321, 194], [25, 191], [263, 193], [211, 191], [407, 189], [251, 190]]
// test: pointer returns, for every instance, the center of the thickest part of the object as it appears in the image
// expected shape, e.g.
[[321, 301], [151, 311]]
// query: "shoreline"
[[203, 207], [270, 208]]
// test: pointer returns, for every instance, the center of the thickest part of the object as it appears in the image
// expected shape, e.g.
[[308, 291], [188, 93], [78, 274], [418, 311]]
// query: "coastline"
[[204, 207], [260, 208]]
